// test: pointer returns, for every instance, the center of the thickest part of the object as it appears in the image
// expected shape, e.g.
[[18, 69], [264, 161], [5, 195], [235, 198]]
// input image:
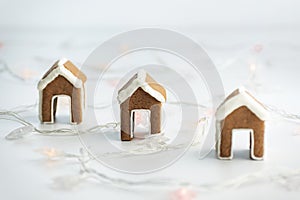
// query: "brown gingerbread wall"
[[61, 86], [242, 118], [140, 100]]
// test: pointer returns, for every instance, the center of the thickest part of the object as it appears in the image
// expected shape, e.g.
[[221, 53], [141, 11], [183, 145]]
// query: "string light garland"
[[29, 129], [283, 114], [151, 144], [288, 179]]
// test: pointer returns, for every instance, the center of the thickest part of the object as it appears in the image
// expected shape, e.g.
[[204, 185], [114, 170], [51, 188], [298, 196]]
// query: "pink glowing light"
[[183, 194], [258, 48]]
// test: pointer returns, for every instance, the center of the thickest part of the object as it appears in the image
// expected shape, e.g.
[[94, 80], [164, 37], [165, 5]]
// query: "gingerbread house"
[[62, 79], [240, 111], [140, 100]]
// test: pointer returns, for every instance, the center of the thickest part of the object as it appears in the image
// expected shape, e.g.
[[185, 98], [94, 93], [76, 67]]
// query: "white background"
[[33, 34], [93, 13]]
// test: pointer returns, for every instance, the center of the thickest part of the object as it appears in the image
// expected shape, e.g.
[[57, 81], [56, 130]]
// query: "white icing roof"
[[238, 98], [60, 69], [140, 81]]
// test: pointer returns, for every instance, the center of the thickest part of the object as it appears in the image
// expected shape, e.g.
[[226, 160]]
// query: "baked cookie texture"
[[240, 110], [62, 79], [140, 92]]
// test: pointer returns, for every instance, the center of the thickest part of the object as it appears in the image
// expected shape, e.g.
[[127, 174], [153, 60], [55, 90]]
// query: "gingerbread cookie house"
[[241, 111], [140, 99], [62, 79]]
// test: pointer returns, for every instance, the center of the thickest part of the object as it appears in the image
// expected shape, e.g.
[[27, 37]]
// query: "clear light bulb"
[[20, 133]]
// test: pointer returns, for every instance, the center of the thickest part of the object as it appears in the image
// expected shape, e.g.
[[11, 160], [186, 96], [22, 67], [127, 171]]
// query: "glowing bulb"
[[209, 112], [252, 67], [50, 152], [27, 73], [258, 48], [113, 82], [297, 131], [183, 194], [124, 48]]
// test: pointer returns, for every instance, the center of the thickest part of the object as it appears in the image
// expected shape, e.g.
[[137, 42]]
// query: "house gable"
[[60, 86], [145, 82], [242, 118], [142, 100], [238, 99], [66, 69]]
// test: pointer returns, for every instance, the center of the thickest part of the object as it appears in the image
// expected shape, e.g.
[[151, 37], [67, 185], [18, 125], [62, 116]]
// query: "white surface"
[[99, 13], [27, 175]]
